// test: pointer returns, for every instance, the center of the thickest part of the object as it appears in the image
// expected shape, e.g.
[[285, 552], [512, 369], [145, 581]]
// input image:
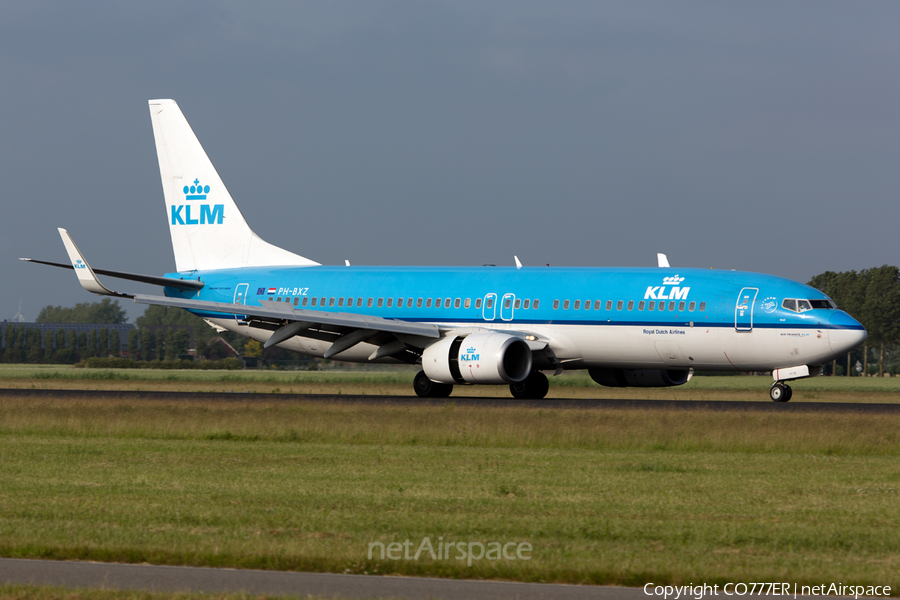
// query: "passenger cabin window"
[[555, 304], [390, 302], [702, 306], [322, 301], [419, 303], [409, 302], [692, 306], [527, 302], [477, 302], [565, 305], [597, 304], [517, 304], [359, 301], [619, 305], [305, 301], [314, 300], [489, 303], [399, 302], [427, 302], [340, 301], [296, 300], [662, 306], [631, 305], [467, 303], [681, 306], [447, 303], [578, 305], [641, 305], [587, 305], [609, 305], [536, 304], [651, 305], [672, 305], [380, 302], [369, 303], [456, 303]]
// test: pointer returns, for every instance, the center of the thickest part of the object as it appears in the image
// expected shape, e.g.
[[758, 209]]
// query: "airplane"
[[642, 327]]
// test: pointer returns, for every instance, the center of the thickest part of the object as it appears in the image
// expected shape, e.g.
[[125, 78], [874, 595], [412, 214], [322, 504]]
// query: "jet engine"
[[489, 357], [640, 377]]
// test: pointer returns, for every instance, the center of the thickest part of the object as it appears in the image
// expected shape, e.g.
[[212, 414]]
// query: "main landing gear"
[[780, 392], [535, 387], [426, 388]]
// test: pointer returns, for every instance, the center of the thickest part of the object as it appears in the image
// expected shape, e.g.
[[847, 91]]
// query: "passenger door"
[[743, 309]]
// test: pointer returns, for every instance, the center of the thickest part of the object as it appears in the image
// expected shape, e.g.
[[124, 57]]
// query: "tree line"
[[160, 334], [872, 297]]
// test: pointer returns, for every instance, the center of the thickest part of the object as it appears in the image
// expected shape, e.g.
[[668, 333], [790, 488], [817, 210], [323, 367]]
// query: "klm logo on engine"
[[203, 214], [470, 355], [670, 290]]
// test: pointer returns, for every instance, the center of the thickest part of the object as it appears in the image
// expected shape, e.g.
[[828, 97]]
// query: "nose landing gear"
[[780, 392]]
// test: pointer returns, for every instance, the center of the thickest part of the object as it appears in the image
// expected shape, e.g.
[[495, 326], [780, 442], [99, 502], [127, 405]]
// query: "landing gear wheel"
[[780, 392], [426, 388], [535, 386]]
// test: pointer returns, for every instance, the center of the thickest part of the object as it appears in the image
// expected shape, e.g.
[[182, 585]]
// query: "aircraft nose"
[[845, 333]]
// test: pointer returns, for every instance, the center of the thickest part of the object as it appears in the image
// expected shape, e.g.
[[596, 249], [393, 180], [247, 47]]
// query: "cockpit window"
[[822, 304], [800, 306]]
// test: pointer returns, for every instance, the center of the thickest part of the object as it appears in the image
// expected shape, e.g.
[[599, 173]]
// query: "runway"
[[74, 574], [160, 578], [549, 403]]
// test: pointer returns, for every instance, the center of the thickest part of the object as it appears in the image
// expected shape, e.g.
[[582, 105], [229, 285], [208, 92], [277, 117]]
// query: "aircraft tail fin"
[[208, 230]]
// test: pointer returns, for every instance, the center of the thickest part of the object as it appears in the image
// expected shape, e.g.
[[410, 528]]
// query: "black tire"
[[788, 393], [519, 390], [779, 392], [535, 386], [426, 388]]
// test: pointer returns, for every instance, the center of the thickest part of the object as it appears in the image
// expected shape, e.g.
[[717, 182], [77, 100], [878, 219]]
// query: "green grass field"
[[398, 382], [603, 496], [30, 592]]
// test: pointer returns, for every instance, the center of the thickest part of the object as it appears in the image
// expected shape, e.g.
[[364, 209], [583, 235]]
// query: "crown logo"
[[673, 280], [79, 264], [196, 191]]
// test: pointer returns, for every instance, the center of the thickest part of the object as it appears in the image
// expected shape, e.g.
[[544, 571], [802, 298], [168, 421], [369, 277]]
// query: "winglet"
[[662, 260], [86, 276], [518, 262]]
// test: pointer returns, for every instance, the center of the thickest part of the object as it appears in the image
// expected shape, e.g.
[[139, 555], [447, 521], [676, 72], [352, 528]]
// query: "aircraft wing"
[[286, 312], [345, 329]]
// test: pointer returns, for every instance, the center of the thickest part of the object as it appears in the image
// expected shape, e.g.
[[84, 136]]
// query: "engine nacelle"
[[489, 357], [640, 377]]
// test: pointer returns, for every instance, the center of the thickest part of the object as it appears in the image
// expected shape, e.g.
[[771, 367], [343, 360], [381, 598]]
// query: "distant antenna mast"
[[19, 318]]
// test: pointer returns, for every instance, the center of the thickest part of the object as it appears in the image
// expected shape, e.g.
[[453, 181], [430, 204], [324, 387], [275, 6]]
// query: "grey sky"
[[759, 136]]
